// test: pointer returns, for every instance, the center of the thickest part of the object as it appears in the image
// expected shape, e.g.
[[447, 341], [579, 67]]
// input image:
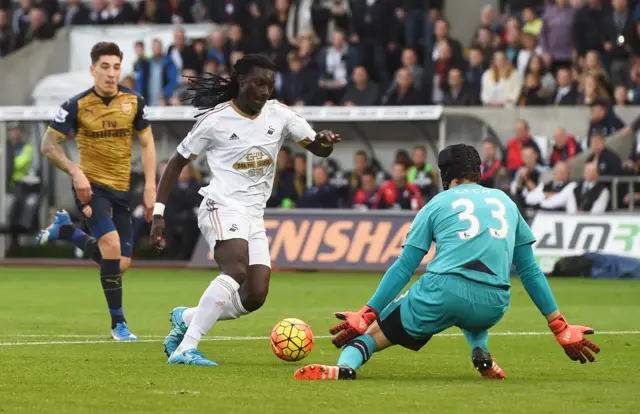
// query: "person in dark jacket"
[[182, 53], [405, 93], [398, 193], [490, 165], [182, 231], [608, 162], [361, 91], [121, 12], [458, 92], [74, 13], [7, 38], [590, 29], [589, 195], [621, 27], [37, 29], [284, 192], [531, 94], [566, 93], [299, 84], [604, 120], [321, 195]]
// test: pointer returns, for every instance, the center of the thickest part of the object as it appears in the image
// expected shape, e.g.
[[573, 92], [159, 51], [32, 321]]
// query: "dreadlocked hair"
[[210, 90]]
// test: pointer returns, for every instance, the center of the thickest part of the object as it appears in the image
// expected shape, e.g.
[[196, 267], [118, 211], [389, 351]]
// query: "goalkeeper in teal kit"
[[477, 233]]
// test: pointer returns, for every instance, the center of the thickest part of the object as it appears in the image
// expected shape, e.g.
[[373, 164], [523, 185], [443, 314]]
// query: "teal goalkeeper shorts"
[[437, 302]]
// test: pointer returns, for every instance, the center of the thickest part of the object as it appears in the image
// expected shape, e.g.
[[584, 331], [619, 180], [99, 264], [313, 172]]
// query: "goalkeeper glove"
[[355, 324], [570, 337]]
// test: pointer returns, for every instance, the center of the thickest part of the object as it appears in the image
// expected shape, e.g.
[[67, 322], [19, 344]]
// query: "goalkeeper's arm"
[[534, 281], [397, 277]]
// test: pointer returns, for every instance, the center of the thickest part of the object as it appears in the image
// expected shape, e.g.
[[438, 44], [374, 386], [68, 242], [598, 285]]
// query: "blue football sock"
[[357, 352], [477, 339], [82, 241]]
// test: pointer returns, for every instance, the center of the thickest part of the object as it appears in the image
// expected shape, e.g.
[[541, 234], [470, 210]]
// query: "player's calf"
[[486, 365]]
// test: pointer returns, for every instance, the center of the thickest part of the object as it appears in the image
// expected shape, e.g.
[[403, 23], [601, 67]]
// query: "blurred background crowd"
[[387, 52]]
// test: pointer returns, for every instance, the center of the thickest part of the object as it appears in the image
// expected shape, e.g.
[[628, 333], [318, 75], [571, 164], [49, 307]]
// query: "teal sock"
[[357, 352], [477, 339]]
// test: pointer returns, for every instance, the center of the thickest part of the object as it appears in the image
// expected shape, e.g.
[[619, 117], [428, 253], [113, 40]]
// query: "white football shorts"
[[225, 224]]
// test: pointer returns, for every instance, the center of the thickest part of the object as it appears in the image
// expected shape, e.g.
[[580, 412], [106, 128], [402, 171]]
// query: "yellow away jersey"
[[104, 131]]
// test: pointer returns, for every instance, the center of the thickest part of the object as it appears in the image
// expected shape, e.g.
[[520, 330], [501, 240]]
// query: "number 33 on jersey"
[[475, 230]]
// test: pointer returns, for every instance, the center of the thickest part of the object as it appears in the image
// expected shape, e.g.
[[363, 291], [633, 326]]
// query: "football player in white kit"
[[241, 133]]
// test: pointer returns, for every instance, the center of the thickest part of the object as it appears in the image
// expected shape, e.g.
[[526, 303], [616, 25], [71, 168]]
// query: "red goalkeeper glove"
[[571, 338], [355, 324]]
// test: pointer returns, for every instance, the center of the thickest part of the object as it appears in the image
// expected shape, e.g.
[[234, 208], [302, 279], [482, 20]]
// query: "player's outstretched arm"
[[392, 283], [148, 146], [322, 145], [52, 150], [168, 180], [570, 337]]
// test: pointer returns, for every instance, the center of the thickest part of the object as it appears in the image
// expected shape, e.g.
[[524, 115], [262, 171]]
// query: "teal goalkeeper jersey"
[[475, 230]]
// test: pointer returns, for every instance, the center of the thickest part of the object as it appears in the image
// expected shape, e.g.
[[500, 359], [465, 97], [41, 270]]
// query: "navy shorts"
[[108, 211]]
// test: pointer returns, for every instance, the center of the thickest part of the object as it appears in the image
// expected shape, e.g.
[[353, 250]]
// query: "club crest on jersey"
[[255, 163], [87, 211], [271, 131], [127, 107]]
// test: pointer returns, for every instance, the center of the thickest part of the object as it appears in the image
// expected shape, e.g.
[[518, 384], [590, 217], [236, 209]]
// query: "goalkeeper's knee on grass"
[[358, 351]]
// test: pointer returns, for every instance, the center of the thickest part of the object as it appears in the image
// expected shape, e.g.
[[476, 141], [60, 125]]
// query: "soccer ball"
[[291, 339]]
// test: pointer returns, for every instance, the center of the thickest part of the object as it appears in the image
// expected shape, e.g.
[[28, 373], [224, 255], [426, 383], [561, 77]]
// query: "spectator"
[[593, 66], [621, 28], [553, 196], [607, 161], [73, 13], [299, 84], [517, 6], [405, 93], [515, 146], [182, 223], [604, 120], [365, 197], [129, 82], [7, 40], [329, 16], [201, 55], [489, 20], [556, 37], [21, 17], [300, 174], [441, 73], [360, 166], [373, 34], [141, 57], [21, 155], [566, 93], [235, 56], [531, 94], [501, 84], [157, 77], [211, 66], [307, 51], [475, 70], [236, 40], [589, 195], [121, 12], [99, 13], [547, 81], [181, 93], [590, 29], [527, 177], [233, 11], [321, 195], [591, 92], [529, 49], [409, 60], [621, 96], [361, 91], [442, 35], [565, 147], [417, 18], [182, 54], [284, 189], [217, 50], [422, 174], [299, 21], [38, 28], [398, 193], [402, 156], [335, 62], [490, 165], [167, 11], [512, 46], [279, 15], [532, 23], [458, 93], [484, 41], [277, 47]]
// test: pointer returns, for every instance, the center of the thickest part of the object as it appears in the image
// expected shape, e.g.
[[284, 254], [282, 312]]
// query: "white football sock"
[[209, 309], [232, 310]]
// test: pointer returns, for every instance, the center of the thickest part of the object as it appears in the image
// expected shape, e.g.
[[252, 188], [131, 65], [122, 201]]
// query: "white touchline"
[[94, 339]]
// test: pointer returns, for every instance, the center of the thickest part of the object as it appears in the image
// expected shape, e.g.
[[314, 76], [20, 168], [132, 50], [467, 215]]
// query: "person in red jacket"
[[398, 193], [565, 148], [515, 145], [366, 195]]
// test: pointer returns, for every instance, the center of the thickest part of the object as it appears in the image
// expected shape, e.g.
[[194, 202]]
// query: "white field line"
[[95, 339]]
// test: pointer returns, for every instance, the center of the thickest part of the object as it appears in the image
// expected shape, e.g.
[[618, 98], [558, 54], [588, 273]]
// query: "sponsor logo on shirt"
[[254, 163]]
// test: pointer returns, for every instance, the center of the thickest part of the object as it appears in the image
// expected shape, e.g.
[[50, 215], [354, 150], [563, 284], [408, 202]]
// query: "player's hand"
[[355, 324], [157, 228], [82, 186], [149, 200], [327, 138], [571, 338]]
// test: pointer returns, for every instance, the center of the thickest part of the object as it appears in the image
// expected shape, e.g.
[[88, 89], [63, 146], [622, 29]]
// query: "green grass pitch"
[[56, 356]]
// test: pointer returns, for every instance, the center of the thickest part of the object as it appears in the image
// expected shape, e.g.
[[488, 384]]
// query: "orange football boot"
[[324, 372]]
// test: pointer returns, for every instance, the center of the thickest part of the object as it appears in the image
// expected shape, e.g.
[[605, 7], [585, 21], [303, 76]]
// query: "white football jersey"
[[242, 151]]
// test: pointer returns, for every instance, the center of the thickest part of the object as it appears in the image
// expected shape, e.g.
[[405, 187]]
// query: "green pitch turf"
[[56, 356]]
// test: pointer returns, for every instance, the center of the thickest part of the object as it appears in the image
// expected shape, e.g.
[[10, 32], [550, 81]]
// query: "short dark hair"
[[361, 153], [369, 172], [139, 43], [104, 49]]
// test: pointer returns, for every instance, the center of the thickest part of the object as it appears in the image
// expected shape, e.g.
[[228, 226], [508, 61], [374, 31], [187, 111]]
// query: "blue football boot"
[[122, 333], [178, 329], [190, 357], [52, 233]]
